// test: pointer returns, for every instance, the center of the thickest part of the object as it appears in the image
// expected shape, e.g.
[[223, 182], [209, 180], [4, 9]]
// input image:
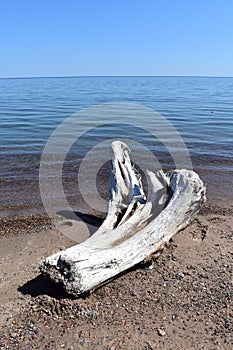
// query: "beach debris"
[[135, 226]]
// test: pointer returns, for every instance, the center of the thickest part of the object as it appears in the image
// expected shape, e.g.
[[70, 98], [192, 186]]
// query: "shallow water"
[[201, 109]]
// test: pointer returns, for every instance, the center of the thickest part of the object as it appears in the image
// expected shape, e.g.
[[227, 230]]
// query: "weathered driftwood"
[[134, 227]]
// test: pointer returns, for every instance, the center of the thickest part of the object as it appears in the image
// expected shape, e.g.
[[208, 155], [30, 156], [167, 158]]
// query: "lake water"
[[200, 108]]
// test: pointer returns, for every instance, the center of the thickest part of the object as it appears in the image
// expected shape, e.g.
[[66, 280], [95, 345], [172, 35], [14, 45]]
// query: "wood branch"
[[134, 227]]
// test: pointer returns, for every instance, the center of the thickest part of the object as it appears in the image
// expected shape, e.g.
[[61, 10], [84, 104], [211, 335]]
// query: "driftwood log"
[[134, 228]]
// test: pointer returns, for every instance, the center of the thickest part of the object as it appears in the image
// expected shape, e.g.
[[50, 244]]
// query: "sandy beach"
[[180, 300]]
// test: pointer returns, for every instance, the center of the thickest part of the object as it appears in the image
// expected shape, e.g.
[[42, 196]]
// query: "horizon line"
[[119, 76]]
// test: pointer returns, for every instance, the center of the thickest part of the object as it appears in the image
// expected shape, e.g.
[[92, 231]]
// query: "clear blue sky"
[[116, 37]]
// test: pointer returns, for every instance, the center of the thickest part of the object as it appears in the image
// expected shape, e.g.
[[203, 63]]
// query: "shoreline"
[[20, 197], [20, 192], [32, 218], [21, 220]]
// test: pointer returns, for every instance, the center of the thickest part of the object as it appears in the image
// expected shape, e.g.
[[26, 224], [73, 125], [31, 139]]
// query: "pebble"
[[161, 332], [181, 275], [91, 313], [14, 334]]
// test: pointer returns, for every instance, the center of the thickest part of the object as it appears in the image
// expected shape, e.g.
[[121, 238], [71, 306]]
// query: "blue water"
[[200, 108]]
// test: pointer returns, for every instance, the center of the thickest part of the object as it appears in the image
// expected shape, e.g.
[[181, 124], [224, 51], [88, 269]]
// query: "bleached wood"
[[134, 227]]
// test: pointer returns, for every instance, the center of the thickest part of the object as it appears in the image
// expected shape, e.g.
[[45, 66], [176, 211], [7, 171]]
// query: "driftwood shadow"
[[41, 285], [90, 219], [87, 218]]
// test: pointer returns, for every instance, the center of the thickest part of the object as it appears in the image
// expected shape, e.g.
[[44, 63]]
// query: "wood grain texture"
[[134, 228]]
